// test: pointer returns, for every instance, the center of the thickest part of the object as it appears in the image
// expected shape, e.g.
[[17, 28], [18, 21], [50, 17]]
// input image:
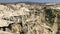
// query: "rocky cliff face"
[[23, 18]]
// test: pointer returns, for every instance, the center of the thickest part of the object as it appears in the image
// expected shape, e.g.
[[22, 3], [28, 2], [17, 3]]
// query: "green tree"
[[49, 16]]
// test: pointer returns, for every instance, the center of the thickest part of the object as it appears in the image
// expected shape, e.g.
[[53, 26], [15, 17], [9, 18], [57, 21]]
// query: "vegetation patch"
[[49, 16]]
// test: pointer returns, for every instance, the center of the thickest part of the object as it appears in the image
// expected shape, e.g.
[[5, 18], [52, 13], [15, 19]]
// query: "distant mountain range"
[[30, 2]]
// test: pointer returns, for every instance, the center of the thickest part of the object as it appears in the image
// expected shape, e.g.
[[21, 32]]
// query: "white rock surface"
[[4, 32], [8, 11]]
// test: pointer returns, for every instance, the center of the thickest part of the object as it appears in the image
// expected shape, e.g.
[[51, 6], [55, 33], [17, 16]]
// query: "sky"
[[40, 1]]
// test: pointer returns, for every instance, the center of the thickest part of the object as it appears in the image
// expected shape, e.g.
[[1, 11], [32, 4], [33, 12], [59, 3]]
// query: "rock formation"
[[25, 18]]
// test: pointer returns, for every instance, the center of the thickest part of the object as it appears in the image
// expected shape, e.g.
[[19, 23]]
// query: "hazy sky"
[[57, 1]]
